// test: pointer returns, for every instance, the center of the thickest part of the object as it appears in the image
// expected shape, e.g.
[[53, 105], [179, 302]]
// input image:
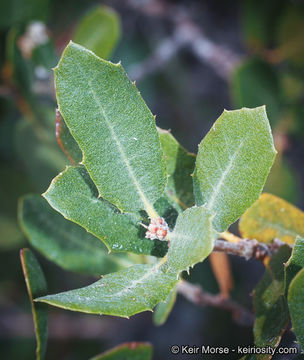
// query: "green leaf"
[[10, 234], [21, 11], [255, 83], [124, 293], [289, 35], [114, 129], [63, 242], [295, 262], [163, 309], [191, 240], [296, 303], [270, 303], [282, 180], [180, 166], [128, 351], [66, 141], [37, 149], [36, 286], [73, 194], [232, 164], [271, 217], [99, 31], [260, 22]]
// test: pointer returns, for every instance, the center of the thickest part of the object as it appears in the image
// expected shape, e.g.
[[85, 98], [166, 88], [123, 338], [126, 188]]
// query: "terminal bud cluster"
[[157, 229]]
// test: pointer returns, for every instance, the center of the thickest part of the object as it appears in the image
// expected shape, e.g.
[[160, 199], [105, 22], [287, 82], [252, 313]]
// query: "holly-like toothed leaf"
[[73, 194], [296, 305], [128, 351], [99, 31], [114, 129], [180, 166], [270, 304], [295, 262], [63, 242], [232, 164], [271, 217], [36, 286], [163, 309], [124, 293], [66, 141], [191, 240]]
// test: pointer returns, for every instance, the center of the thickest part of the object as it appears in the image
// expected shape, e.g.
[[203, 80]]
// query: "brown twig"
[[196, 295], [245, 248]]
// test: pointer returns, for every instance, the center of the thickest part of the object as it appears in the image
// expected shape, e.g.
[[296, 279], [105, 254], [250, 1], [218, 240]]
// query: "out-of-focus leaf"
[[296, 261], [296, 304], [270, 304], [64, 242], [10, 234], [232, 164], [22, 69], [45, 55], [290, 38], [259, 22], [39, 153], [36, 286], [66, 141], [254, 83], [114, 129], [180, 166], [191, 240], [99, 31], [124, 293], [17, 12], [282, 180], [127, 351], [271, 217], [163, 309], [73, 194]]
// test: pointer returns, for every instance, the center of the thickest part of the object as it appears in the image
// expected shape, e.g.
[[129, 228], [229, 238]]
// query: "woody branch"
[[196, 295], [248, 248]]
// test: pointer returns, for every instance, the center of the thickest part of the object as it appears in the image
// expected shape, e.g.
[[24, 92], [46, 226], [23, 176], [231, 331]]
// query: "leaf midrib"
[[148, 207], [216, 189], [135, 282]]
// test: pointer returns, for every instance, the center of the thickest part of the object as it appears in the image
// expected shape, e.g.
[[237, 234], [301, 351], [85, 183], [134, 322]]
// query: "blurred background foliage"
[[236, 53]]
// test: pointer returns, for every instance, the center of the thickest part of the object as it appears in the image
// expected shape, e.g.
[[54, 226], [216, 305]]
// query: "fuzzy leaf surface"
[[62, 241], [296, 304], [180, 165], [99, 31], [36, 286], [271, 217], [114, 129], [124, 293], [270, 304], [163, 309], [73, 194], [232, 164], [295, 262], [191, 240], [128, 351]]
